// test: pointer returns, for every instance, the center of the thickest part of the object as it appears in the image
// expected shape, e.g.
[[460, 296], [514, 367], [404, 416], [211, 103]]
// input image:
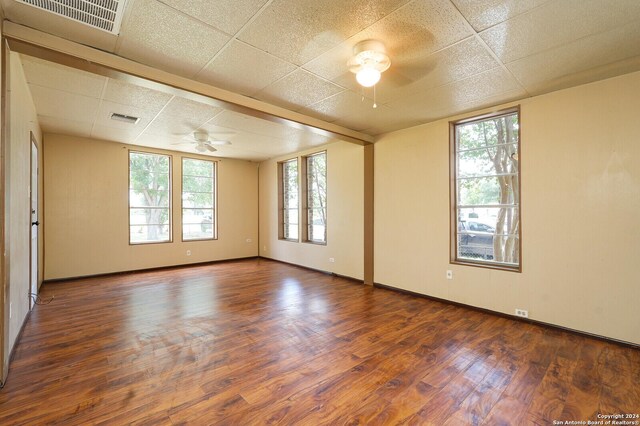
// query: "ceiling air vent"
[[124, 118], [106, 15]]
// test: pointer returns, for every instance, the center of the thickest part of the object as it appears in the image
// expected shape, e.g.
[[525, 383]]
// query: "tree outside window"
[[487, 190], [316, 178], [149, 198]]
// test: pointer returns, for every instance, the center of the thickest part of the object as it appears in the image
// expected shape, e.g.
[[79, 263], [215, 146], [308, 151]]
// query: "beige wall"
[[86, 211], [345, 200], [580, 209], [22, 119]]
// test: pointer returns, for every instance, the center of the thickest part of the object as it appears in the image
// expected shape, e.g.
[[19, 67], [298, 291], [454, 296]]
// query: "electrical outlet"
[[449, 274], [522, 313], [331, 260], [249, 240], [188, 252], [264, 248]]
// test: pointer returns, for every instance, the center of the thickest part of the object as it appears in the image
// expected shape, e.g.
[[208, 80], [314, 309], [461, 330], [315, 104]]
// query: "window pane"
[[192, 167], [291, 216], [291, 232], [481, 162], [149, 198], [149, 233], [197, 231], [483, 191], [197, 184], [493, 131], [198, 199]]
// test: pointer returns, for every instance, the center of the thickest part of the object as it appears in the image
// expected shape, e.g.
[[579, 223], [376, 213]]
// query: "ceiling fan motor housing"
[[369, 54]]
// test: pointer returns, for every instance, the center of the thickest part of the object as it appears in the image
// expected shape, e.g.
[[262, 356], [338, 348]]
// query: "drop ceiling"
[[448, 57]]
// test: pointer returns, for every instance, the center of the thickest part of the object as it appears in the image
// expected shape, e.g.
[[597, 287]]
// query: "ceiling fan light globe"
[[368, 77], [201, 148]]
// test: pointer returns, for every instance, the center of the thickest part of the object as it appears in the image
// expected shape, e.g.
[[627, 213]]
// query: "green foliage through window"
[[198, 199], [317, 197], [149, 198], [487, 190], [290, 201]]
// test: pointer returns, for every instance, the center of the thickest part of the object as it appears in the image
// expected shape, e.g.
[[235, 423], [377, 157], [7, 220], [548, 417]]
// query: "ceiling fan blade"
[[219, 142], [182, 143], [210, 148]]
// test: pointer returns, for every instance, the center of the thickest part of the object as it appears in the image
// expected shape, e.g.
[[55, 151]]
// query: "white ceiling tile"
[[226, 15], [244, 69], [557, 23], [585, 60], [52, 75], [181, 117], [338, 106], [62, 126], [366, 117], [488, 88], [419, 28], [108, 133], [483, 14], [158, 35], [298, 89], [124, 93], [246, 123], [457, 62], [64, 105], [299, 30]]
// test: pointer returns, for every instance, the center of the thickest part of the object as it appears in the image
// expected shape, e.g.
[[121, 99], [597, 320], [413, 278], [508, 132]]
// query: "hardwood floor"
[[255, 342]]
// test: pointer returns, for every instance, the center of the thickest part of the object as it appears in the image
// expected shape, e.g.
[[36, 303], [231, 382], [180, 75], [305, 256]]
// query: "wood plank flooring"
[[260, 342]]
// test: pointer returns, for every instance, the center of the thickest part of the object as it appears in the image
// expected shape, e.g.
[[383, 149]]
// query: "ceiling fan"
[[203, 143]]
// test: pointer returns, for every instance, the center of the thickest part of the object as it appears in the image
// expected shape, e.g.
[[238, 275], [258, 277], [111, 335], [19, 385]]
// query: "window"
[[149, 198], [288, 200], [316, 198], [485, 186], [198, 199]]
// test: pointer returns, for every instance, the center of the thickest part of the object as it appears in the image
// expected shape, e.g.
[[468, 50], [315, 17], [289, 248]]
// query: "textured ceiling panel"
[[300, 88], [299, 30], [47, 74], [362, 118], [459, 93], [587, 59], [158, 35], [234, 120], [483, 14], [556, 23], [58, 104], [66, 127], [226, 15], [244, 69], [137, 96], [339, 106], [108, 133], [459, 61], [181, 117], [419, 28]]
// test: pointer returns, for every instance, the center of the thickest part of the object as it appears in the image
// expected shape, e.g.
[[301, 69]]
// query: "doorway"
[[33, 287]]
